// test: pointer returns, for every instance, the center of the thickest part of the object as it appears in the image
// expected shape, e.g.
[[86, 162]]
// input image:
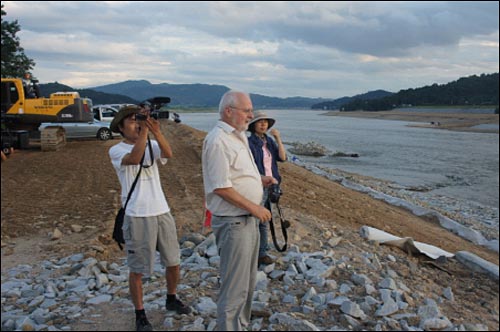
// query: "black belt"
[[240, 216]]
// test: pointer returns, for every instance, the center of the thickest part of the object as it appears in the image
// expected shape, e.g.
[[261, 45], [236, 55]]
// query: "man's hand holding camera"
[[268, 181], [261, 212], [148, 123]]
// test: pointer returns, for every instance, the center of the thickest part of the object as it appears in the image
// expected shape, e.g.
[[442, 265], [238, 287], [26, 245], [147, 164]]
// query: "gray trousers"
[[238, 244]]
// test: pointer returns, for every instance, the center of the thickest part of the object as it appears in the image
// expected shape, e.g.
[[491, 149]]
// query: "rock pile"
[[309, 149], [342, 286], [315, 149]]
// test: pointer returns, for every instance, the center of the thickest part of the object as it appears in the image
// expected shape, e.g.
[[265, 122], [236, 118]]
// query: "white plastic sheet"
[[406, 243]]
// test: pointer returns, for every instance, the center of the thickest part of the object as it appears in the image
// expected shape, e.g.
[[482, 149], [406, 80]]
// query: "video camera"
[[141, 117], [153, 105], [275, 193]]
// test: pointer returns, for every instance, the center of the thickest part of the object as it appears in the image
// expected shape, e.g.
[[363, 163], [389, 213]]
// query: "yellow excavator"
[[23, 109]]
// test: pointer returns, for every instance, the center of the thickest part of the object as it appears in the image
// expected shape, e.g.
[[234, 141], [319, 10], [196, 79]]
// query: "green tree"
[[14, 62]]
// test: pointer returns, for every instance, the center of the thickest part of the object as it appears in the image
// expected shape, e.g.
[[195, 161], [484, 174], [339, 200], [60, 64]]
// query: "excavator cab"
[[10, 95]]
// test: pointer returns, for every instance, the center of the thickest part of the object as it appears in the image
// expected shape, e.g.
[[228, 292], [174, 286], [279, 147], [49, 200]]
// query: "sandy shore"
[[449, 121]]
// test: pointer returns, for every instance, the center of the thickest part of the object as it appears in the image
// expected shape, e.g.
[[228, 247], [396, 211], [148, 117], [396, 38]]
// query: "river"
[[454, 171]]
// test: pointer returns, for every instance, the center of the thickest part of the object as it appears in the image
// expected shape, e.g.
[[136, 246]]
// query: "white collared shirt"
[[228, 163]]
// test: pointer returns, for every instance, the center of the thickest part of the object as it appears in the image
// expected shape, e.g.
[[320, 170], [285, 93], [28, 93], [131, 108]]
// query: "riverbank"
[[56, 182], [449, 121], [75, 191]]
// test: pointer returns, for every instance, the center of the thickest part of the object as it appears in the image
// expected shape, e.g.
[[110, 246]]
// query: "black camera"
[[142, 117], [154, 105], [275, 193]]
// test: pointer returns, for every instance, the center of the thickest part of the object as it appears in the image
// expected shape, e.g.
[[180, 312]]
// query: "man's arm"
[[154, 126], [135, 156], [233, 197]]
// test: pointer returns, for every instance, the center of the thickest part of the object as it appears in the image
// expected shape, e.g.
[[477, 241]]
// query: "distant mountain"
[[473, 90], [202, 95], [96, 96], [197, 95], [263, 102], [338, 103]]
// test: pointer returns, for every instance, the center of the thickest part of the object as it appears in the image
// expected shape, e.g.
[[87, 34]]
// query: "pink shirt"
[[268, 160]]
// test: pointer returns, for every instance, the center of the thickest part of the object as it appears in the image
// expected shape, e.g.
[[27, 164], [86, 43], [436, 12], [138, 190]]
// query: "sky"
[[282, 49]]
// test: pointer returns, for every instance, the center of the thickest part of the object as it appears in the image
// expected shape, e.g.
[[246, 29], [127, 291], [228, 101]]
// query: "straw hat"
[[260, 116]]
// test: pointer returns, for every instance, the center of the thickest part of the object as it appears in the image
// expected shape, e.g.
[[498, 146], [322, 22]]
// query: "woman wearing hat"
[[266, 153]]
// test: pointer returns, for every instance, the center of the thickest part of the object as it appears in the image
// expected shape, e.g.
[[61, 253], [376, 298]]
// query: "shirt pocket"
[[241, 160]]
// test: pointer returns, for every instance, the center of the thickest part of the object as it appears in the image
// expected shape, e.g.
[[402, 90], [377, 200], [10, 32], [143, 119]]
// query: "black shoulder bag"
[[120, 216]]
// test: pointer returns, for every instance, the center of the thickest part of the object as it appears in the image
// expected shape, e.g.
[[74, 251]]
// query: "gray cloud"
[[321, 49], [374, 28]]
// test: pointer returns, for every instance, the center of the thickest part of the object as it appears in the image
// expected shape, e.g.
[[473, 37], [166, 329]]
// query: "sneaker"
[[142, 324], [178, 306], [265, 260]]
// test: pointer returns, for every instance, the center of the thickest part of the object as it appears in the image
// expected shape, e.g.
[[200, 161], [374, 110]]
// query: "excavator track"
[[52, 138]]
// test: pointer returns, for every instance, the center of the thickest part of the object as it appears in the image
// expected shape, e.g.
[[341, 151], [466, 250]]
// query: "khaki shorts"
[[146, 235]]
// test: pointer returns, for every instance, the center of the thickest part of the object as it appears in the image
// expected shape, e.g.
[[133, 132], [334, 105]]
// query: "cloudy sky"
[[284, 49]]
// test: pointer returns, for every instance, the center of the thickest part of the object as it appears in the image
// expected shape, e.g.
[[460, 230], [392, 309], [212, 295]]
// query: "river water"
[[454, 171]]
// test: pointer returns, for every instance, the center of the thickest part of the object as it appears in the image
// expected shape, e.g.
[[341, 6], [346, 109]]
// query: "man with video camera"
[[148, 225]]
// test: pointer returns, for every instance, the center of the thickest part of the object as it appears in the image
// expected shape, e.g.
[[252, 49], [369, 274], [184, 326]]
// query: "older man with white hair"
[[233, 191]]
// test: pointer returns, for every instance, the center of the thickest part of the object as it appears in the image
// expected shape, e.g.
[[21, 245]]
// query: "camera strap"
[[284, 225], [150, 154], [135, 182]]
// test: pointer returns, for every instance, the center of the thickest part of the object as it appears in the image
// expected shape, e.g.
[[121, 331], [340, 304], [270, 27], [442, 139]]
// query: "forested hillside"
[[473, 90], [338, 103]]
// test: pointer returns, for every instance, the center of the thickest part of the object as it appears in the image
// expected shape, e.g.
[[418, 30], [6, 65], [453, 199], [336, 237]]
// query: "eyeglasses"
[[246, 111]]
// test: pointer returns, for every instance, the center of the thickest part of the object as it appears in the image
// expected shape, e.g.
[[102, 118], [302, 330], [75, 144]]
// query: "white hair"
[[229, 99]]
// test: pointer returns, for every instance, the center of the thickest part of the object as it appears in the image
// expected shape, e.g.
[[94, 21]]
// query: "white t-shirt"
[[228, 163], [148, 199]]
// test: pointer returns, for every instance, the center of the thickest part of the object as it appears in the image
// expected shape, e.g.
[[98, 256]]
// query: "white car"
[[95, 129], [107, 112], [104, 113]]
